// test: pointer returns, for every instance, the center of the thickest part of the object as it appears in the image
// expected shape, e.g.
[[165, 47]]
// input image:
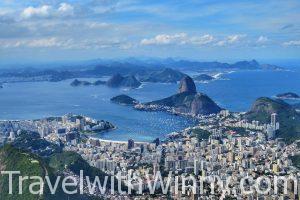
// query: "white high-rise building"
[[273, 119], [12, 135]]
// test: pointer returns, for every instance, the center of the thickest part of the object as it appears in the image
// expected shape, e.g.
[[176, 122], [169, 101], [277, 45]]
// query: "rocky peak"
[[115, 80], [187, 85]]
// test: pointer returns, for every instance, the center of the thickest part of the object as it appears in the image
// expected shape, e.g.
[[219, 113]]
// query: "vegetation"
[[34, 143], [74, 162], [124, 99], [201, 134], [12, 159], [239, 130], [287, 116]]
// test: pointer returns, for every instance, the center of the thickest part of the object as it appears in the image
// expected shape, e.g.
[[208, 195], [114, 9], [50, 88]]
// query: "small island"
[[124, 100], [77, 83], [288, 95]]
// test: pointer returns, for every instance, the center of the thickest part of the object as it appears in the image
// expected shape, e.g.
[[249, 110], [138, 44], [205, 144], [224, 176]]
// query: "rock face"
[[131, 82], [187, 85], [115, 80], [202, 104], [188, 100], [124, 99], [119, 81]]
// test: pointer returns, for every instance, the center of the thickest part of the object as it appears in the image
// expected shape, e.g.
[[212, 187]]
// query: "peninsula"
[[187, 101]]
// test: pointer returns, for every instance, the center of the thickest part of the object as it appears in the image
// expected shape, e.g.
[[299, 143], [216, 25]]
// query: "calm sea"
[[234, 91]]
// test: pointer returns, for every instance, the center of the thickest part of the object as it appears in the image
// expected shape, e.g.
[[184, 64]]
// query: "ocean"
[[235, 91]]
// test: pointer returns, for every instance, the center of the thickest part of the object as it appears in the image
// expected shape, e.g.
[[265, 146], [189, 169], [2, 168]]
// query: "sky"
[[70, 30]]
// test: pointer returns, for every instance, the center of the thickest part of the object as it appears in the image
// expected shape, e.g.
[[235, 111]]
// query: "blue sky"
[[38, 30]]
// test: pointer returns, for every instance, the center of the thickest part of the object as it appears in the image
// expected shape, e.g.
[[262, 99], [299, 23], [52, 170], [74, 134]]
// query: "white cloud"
[[45, 11], [62, 43], [165, 39], [235, 38], [96, 25], [65, 9], [262, 39], [36, 43], [292, 43], [47, 42], [42, 11], [202, 40], [179, 39], [231, 39]]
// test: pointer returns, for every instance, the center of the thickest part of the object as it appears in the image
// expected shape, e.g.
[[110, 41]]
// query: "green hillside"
[[12, 159], [287, 116]]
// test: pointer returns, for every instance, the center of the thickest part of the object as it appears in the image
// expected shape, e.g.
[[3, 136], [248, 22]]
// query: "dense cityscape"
[[233, 148]]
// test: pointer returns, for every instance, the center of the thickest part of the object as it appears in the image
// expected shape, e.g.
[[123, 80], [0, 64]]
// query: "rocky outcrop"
[[131, 82], [115, 81], [188, 100], [202, 104], [119, 81], [187, 85]]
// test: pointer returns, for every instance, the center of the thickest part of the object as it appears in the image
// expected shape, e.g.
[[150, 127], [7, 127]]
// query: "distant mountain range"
[[152, 70]]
